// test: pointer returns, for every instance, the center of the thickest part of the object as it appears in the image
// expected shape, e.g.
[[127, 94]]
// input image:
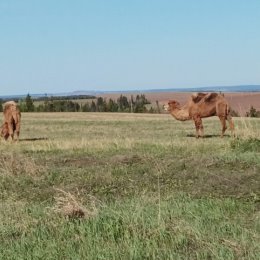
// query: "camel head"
[[172, 104]]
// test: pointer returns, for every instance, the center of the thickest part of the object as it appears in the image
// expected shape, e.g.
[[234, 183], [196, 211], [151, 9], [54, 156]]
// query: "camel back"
[[206, 97], [196, 97], [211, 97]]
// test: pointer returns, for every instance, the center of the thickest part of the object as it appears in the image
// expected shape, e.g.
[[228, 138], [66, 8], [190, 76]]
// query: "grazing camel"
[[202, 105], [12, 120]]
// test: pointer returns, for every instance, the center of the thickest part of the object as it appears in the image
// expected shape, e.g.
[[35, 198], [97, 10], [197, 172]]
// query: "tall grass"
[[125, 186]]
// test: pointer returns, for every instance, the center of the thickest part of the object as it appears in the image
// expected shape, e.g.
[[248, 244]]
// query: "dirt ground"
[[239, 101]]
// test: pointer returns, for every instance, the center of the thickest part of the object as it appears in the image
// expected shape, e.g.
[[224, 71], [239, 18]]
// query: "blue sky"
[[52, 46]]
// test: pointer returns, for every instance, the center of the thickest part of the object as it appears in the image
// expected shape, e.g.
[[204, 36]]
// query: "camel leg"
[[16, 124], [223, 123], [201, 129], [5, 131], [17, 130], [231, 125], [10, 130], [198, 126], [17, 134]]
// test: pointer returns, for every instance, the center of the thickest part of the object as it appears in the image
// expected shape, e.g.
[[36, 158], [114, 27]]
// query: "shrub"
[[253, 112]]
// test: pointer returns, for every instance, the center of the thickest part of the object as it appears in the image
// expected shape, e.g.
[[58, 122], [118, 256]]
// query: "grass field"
[[143, 185]]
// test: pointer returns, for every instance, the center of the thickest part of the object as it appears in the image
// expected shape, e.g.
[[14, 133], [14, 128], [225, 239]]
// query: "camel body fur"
[[202, 105], [12, 120]]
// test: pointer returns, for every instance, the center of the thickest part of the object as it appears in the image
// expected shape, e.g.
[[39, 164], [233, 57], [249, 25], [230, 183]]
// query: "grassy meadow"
[[129, 186]]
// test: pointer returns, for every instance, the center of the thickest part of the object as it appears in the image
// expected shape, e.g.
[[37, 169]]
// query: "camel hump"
[[210, 96], [197, 97]]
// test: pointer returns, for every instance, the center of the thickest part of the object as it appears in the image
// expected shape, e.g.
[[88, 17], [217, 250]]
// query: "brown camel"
[[12, 120], [202, 105]]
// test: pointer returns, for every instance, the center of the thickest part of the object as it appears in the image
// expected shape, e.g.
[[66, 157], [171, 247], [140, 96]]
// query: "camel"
[[202, 105], [12, 120]]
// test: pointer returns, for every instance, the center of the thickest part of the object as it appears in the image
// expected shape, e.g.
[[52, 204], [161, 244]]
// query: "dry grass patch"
[[247, 128], [71, 206]]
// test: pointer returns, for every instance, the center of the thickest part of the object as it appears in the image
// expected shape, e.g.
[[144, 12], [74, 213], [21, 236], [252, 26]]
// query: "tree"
[[252, 112], [71, 106], [139, 104], [131, 103], [112, 106], [85, 107], [101, 104], [123, 104], [49, 105], [151, 110], [93, 107], [158, 107], [29, 106]]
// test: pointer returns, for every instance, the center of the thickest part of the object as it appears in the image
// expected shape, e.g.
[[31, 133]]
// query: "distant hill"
[[238, 88], [241, 88]]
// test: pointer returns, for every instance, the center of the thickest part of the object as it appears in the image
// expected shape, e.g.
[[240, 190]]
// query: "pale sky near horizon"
[[49, 46]]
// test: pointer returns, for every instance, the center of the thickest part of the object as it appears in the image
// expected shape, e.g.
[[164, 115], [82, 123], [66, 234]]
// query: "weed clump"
[[71, 207]]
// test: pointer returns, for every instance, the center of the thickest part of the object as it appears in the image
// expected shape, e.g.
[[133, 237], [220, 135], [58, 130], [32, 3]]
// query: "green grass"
[[156, 191]]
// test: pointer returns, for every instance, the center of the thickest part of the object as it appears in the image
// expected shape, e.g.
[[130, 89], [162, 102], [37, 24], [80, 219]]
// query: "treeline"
[[122, 104], [135, 104]]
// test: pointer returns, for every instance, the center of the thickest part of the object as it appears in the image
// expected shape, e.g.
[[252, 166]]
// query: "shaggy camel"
[[12, 120], [202, 105]]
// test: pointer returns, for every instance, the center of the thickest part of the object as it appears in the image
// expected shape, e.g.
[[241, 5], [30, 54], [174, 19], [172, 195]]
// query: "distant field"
[[148, 189], [240, 102]]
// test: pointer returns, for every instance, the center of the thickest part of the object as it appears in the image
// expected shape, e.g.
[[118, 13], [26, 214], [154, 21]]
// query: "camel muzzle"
[[166, 107]]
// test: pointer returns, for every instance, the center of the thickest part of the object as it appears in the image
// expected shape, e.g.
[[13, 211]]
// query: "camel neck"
[[180, 114]]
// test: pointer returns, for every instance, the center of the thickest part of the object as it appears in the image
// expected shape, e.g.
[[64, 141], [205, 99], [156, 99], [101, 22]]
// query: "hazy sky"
[[50, 46]]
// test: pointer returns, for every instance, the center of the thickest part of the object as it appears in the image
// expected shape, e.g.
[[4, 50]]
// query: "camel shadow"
[[206, 136], [33, 139]]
